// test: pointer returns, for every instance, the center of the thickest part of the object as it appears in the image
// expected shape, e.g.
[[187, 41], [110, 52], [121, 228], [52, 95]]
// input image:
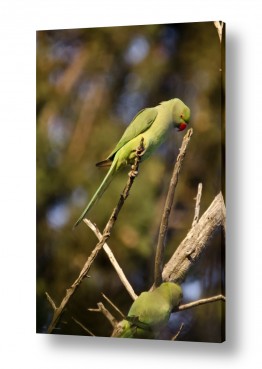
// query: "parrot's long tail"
[[108, 178]]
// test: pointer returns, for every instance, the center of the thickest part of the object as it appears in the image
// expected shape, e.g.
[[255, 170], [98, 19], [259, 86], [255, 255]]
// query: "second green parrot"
[[150, 312], [154, 125]]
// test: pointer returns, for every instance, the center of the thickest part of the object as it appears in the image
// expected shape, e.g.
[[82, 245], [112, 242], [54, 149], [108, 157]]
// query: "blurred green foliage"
[[90, 83]]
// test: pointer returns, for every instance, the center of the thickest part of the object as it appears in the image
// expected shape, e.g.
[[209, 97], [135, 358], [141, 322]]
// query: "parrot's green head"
[[172, 291], [181, 114]]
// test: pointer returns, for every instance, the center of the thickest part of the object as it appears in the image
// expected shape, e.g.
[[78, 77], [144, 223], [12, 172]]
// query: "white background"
[[20, 346]]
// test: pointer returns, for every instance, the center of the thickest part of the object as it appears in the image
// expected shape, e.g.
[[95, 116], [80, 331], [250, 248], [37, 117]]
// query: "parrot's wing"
[[134, 320], [141, 122]]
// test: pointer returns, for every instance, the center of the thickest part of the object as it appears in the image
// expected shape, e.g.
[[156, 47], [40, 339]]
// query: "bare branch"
[[201, 302], [195, 242], [197, 208], [106, 234], [102, 309], [52, 303], [82, 326], [112, 259], [178, 332], [219, 26], [113, 305], [94, 310], [159, 258]]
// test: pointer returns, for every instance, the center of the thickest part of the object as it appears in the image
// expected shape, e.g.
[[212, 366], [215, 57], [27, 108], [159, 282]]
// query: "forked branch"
[[106, 234], [112, 259], [219, 26]]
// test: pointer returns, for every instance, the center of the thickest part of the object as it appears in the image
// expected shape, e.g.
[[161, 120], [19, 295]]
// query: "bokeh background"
[[90, 84]]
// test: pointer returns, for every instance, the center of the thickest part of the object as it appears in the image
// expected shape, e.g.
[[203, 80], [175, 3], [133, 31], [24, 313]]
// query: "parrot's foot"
[[133, 173], [140, 152], [141, 149]]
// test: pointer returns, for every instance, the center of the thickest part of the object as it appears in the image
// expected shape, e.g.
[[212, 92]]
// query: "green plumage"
[[150, 312], [154, 125]]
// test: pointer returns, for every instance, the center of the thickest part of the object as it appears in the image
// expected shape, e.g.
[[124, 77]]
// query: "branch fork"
[[106, 234]]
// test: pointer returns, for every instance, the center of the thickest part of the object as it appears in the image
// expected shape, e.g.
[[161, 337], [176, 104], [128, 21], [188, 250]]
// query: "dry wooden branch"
[[195, 242], [113, 305], [196, 303], [112, 259], [51, 301], [106, 234], [82, 326], [159, 258], [201, 302], [197, 208], [102, 309], [219, 26], [178, 332]]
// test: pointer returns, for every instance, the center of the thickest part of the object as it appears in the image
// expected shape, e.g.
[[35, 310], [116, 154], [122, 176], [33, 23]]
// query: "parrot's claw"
[[140, 152], [133, 173], [141, 149]]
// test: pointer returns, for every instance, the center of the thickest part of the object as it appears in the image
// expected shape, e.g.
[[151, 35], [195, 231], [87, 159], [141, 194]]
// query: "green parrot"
[[154, 125], [150, 312]]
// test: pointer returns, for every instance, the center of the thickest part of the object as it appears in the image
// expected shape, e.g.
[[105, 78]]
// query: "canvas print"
[[131, 216]]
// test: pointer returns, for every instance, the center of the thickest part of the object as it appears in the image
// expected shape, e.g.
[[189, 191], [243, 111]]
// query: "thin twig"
[[178, 332], [82, 326], [112, 259], [159, 258], [113, 305], [200, 302], [52, 303], [106, 234], [197, 208], [102, 309], [219, 26]]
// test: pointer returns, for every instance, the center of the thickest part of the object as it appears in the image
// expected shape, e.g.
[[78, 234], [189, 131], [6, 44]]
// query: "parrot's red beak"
[[182, 126]]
